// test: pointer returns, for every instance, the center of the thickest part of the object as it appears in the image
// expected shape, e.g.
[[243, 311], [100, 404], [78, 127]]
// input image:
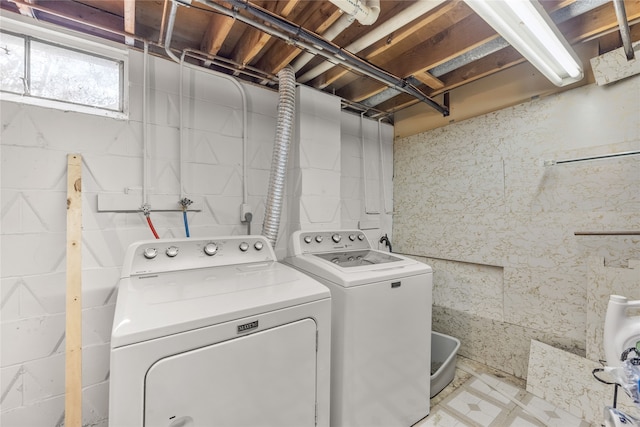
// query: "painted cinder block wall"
[[35, 142], [476, 202]]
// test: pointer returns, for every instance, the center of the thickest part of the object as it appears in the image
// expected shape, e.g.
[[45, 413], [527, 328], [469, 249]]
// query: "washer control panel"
[[328, 241], [165, 255]]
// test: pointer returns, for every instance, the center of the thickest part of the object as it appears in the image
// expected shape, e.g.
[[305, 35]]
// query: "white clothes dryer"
[[215, 332], [381, 327]]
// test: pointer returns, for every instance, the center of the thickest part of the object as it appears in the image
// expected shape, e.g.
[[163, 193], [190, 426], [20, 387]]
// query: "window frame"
[[66, 39]]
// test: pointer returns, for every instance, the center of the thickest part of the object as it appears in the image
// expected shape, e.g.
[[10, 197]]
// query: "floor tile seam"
[[529, 410], [462, 418], [494, 401]]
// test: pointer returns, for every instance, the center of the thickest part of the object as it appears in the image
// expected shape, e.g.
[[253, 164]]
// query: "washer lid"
[[157, 305], [354, 272], [353, 259]]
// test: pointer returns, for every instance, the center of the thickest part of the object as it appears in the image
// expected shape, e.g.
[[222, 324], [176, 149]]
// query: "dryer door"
[[267, 378]]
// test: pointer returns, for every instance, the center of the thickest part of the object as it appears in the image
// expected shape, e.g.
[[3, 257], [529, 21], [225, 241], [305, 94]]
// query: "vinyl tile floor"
[[480, 396]]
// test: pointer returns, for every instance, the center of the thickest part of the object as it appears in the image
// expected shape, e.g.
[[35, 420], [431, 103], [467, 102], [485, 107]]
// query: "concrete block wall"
[[35, 142]]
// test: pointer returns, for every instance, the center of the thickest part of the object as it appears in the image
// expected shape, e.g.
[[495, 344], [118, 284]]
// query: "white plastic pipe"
[[409, 14], [353, 9], [365, 12], [180, 61], [332, 32]]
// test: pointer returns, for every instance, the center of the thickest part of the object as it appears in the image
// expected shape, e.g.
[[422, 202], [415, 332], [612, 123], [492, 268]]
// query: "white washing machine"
[[381, 327], [215, 332]]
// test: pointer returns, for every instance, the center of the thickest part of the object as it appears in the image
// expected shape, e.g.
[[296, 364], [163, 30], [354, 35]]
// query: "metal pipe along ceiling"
[[300, 37], [625, 33]]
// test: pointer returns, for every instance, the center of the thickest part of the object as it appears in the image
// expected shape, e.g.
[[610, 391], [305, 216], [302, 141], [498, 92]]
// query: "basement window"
[[48, 73]]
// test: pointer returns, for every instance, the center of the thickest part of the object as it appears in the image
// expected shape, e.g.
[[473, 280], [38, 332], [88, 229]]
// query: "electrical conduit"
[[146, 207], [243, 96], [284, 129]]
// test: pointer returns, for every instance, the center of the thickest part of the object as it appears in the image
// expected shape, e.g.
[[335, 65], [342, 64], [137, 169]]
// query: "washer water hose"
[[284, 130], [147, 213], [385, 239], [185, 205]]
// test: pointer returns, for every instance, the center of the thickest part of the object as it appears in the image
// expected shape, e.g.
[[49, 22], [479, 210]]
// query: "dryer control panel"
[[164, 255], [306, 242]]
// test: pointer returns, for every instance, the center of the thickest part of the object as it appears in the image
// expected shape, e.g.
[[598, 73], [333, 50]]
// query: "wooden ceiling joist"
[[317, 19], [216, 33], [254, 41], [129, 20]]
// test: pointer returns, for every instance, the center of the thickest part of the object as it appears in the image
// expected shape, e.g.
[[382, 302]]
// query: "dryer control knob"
[[307, 239], [172, 251], [244, 246], [352, 237], [210, 249], [319, 239], [336, 238], [150, 253], [360, 236], [258, 246]]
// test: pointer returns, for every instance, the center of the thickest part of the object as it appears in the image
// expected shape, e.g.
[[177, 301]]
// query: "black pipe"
[[324, 48]]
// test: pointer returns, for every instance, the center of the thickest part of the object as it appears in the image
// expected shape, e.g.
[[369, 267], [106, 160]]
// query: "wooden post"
[[73, 337]]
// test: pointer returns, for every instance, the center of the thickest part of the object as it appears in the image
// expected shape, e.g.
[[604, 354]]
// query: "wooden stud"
[[73, 336]]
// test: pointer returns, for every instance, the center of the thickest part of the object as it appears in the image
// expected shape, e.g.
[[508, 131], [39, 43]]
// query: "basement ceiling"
[[442, 49]]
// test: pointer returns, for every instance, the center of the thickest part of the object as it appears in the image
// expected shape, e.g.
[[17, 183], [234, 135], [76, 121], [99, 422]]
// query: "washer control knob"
[[307, 239], [360, 236], [150, 253], [172, 251], [352, 237], [319, 239], [244, 246], [210, 249], [258, 246], [336, 238]]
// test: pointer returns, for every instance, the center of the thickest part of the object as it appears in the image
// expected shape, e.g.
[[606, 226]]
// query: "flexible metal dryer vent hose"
[[284, 130]]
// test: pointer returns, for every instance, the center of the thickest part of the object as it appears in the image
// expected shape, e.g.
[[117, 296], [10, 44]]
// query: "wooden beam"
[[448, 44], [597, 22], [317, 17], [429, 80], [130, 20], [216, 33], [470, 33], [73, 334], [506, 58], [255, 40], [25, 9], [285, 7], [434, 52], [404, 39]]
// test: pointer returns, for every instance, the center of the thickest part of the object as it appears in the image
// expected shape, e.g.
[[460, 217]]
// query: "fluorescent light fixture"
[[529, 29]]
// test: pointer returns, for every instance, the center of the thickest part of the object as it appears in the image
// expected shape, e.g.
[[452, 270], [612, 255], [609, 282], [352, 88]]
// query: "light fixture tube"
[[529, 29]]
